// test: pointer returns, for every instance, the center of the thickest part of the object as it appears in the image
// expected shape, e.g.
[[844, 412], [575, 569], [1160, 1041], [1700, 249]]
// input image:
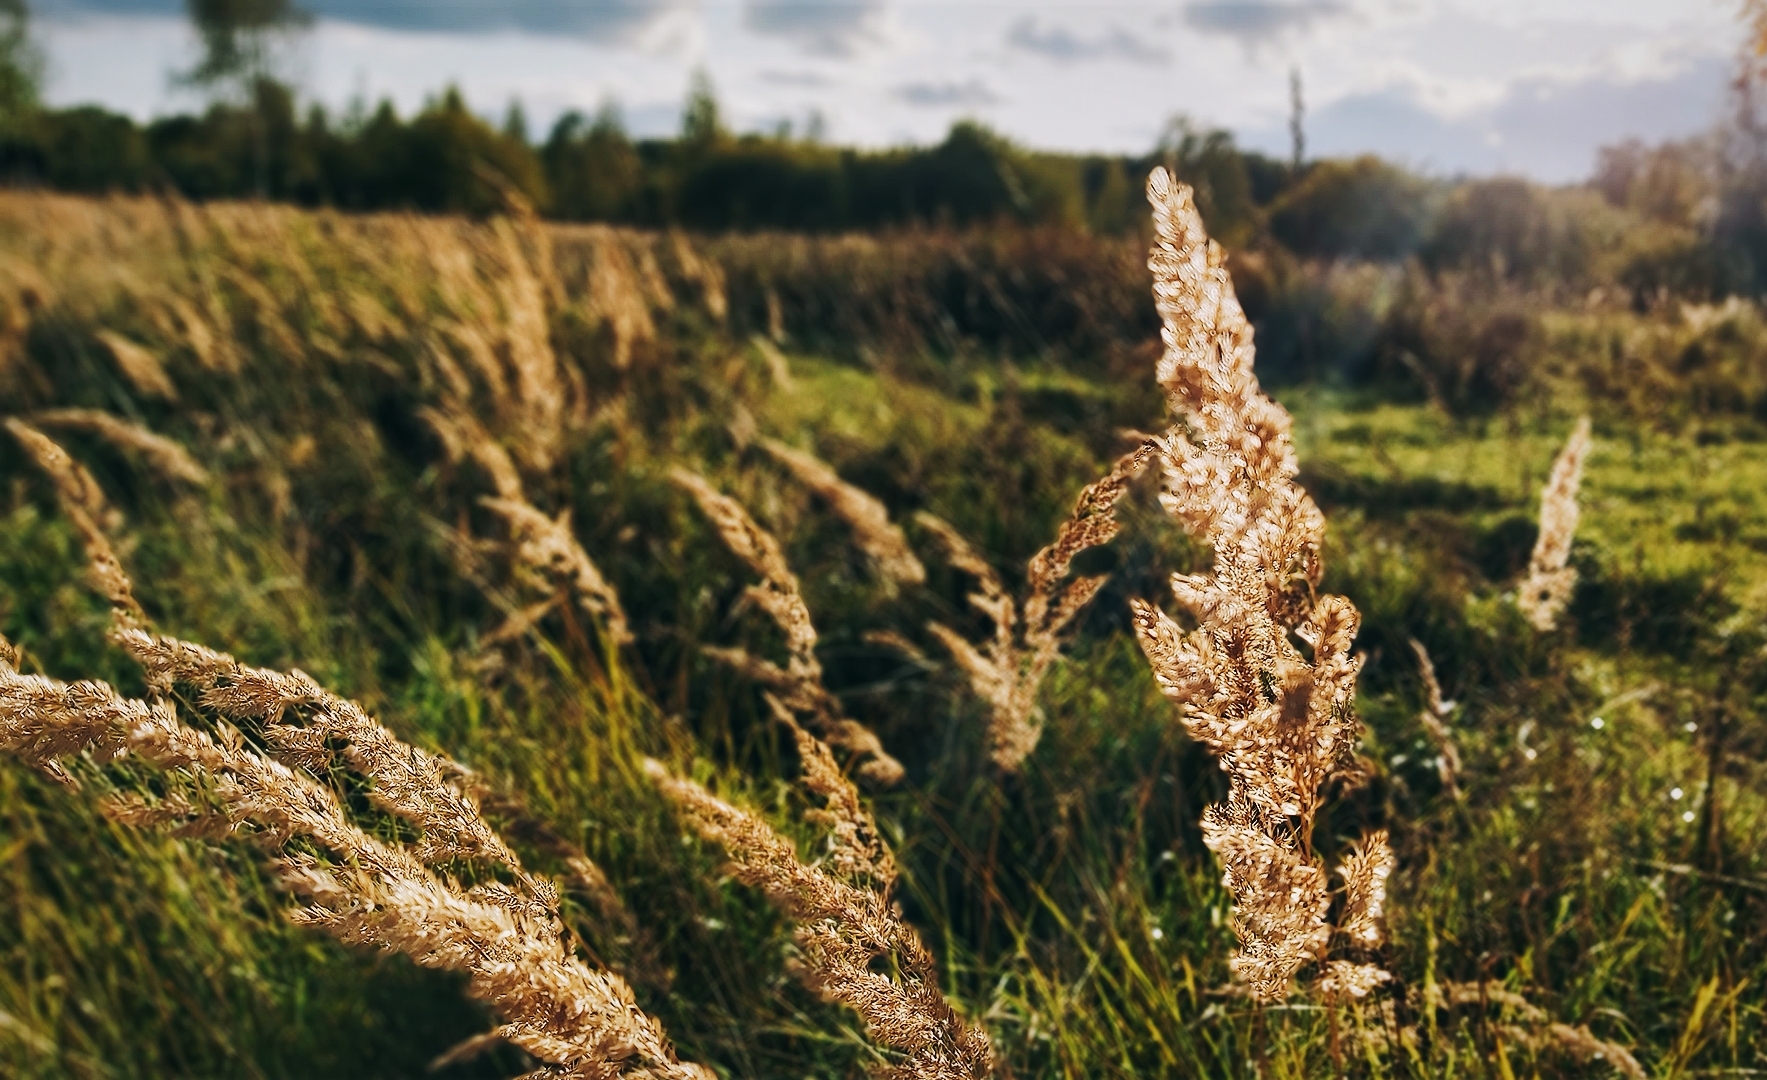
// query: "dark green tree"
[[239, 40], [1359, 209], [592, 167], [21, 67], [701, 122], [515, 122], [1207, 160]]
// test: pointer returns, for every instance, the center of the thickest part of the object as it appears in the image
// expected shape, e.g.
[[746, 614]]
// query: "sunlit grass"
[[1074, 909]]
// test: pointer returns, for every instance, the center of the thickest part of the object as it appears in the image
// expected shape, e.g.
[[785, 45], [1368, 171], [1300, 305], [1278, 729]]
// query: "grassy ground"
[[1073, 908]]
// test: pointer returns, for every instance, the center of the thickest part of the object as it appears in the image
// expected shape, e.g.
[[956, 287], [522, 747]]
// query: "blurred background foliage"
[[1355, 271]]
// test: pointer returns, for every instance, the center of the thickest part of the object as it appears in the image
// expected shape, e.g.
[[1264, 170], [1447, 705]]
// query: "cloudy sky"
[[1482, 86]]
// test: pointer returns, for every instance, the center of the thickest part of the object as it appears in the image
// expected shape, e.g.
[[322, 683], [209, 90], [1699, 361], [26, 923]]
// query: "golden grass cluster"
[[1546, 590], [1281, 721]]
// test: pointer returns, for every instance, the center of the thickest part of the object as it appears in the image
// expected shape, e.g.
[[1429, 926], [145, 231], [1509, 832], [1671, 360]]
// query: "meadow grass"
[[1074, 910]]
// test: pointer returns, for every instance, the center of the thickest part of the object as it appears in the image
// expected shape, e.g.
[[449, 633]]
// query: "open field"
[[329, 376]]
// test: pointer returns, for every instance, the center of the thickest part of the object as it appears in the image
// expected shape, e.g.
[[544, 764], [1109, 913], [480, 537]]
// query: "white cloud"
[[1259, 22], [1062, 43], [596, 20], [958, 95], [829, 27]]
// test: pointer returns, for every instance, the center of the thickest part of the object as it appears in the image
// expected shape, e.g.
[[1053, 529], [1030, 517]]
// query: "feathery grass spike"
[[361, 890], [83, 501], [141, 368], [844, 920], [1546, 590], [167, 457], [1280, 721], [876, 534], [1434, 718], [547, 547], [407, 781], [799, 683], [1007, 670]]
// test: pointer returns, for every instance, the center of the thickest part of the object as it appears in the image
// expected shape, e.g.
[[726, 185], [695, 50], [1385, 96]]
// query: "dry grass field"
[[693, 644]]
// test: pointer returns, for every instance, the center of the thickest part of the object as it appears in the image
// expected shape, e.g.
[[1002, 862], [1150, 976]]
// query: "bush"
[[1360, 209], [1513, 231], [1470, 349]]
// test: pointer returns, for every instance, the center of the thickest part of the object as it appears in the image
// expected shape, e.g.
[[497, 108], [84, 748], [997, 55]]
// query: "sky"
[[1533, 87]]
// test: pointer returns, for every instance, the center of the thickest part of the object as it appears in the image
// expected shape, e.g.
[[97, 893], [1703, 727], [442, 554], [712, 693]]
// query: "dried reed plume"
[[1281, 722], [1537, 1030], [876, 535], [615, 292], [361, 890], [1007, 670], [778, 367], [703, 273], [1434, 718], [463, 439], [165, 456], [843, 915], [82, 500], [306, 727], [583, 1022], [544, 550], [799, 683], [1546, 590], [548, 549], [140, 368]]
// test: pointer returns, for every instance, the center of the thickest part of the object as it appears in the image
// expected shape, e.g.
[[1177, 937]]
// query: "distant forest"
[[1686, 219]]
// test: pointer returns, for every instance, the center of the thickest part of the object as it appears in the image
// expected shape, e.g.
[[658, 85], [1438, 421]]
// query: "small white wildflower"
[[1598, 723], [1676, 793]]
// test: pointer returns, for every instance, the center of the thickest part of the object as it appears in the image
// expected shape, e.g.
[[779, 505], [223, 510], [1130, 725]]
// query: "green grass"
[[1073, 908]]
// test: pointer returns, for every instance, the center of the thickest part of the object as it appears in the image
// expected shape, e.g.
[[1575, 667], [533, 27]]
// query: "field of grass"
[[1604, 868]]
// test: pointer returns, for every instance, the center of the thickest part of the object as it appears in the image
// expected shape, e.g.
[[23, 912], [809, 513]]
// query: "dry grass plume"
[[1006, 670], [1546, 590], [799, 683], [874, 532], [1281, 721], [844, 919]]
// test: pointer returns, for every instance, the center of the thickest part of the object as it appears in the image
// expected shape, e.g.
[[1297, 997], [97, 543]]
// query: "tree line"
[[448, 159]]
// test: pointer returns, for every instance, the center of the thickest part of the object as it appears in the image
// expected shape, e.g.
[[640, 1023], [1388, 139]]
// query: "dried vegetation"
[[1282, 722], [510, 354]]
